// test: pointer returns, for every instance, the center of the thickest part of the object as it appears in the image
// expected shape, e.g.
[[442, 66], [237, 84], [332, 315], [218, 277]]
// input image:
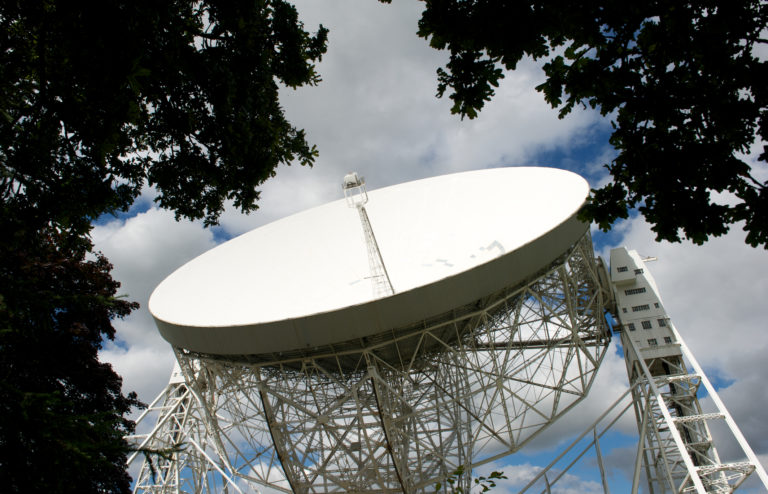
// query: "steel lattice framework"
[[393, 413]]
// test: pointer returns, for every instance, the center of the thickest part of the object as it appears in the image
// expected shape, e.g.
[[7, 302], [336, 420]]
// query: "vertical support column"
[[721, 409], [396, 439], [663, 408], [600, 462], [281, 444]]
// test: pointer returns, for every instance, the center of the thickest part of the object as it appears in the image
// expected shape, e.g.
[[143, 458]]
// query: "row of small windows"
[[638, 308], [634, 291], [624, 269], [647, 324], [654, 342]]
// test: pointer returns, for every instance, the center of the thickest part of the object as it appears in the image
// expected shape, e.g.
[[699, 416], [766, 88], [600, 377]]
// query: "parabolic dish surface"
[[303, 281]]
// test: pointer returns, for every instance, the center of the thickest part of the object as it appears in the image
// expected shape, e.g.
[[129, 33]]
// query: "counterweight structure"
[[676, 450]]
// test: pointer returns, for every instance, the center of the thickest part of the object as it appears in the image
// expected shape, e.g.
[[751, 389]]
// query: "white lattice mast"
[[178, 455], [357, 197], [675, 449]]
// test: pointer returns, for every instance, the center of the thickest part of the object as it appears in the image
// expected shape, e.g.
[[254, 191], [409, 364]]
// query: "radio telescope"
[[379, 342]]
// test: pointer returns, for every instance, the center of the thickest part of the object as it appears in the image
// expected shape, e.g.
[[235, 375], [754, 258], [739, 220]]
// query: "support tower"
[[675, 449]]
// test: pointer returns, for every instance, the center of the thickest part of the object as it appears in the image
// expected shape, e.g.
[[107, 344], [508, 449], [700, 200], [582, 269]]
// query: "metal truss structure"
[[392, 413], [356, 197], [675, 449], [174, 451]]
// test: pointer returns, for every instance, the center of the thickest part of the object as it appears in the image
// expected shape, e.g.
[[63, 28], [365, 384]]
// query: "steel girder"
[[470, 389]]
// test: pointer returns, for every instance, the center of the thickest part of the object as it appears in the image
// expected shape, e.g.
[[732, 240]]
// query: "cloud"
[[518, 476], [144, 249], [375, 112]]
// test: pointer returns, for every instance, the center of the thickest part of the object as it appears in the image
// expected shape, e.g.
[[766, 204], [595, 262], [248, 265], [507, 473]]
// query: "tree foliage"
[[681, 81], [454, 484], [100, 98], [61, 410], [97, 101]]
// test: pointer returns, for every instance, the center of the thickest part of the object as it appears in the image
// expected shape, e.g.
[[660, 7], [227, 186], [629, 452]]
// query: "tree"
[[681, 81], [456, 483], [61, 410], [100, 98], [97, 100]]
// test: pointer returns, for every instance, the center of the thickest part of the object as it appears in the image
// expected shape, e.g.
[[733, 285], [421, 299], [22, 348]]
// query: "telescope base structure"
[[467, 389], [676, 448]]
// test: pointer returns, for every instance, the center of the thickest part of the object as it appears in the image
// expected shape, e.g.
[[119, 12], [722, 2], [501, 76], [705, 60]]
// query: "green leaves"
[[456, 481], [472, 79], [681, 81], [85, 89], [97, 99], [62, 412]]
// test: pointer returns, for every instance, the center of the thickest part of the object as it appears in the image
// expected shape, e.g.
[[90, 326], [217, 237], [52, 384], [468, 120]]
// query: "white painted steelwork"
[[676, 449], [492, 340], [174, 451], [356, 195]]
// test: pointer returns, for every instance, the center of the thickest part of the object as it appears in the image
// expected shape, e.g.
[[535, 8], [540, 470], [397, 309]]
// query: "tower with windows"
[[676, 448]]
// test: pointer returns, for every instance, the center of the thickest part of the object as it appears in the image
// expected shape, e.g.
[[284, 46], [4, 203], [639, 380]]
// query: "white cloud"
[[518, 476], [144, 249], [376, 113]]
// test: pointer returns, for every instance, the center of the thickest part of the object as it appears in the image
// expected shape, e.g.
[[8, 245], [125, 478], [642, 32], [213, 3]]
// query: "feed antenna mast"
[[675, 448], [357, 197]]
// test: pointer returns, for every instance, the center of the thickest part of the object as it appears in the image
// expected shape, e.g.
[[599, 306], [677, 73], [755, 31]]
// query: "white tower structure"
[[675, 450], [356, 196], [296, 378]]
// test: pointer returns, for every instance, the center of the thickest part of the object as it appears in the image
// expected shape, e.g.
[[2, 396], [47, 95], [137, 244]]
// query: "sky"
[[375, 112]]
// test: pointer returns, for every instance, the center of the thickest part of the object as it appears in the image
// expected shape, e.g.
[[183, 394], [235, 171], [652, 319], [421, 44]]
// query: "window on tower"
[[653, 342], [646, 324], [634, 291]]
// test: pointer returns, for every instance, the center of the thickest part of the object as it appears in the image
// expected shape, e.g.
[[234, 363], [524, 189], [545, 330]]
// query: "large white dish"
[[301, 282]]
